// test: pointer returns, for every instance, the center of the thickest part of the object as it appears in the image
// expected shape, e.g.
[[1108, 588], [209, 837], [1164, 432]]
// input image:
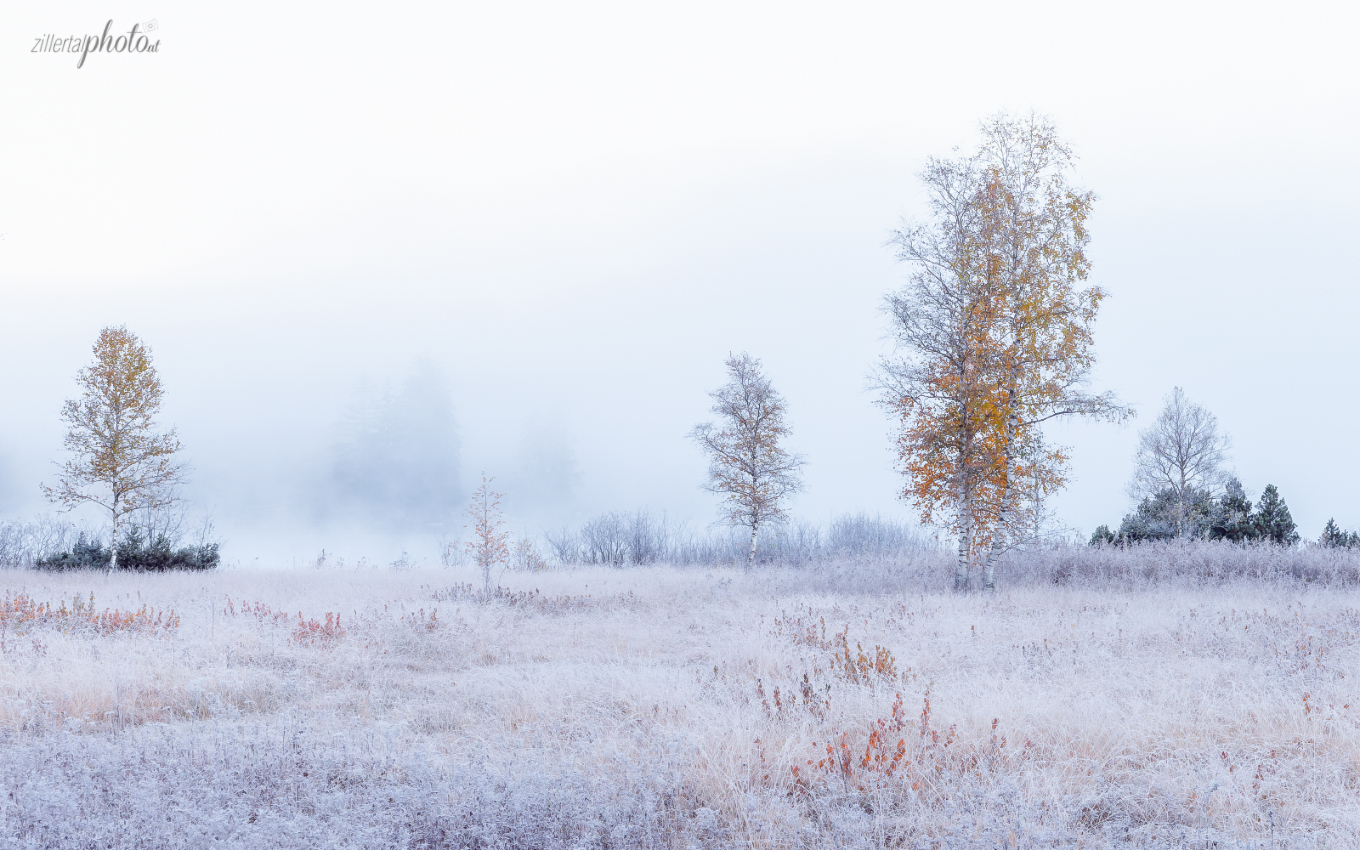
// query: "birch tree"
[[490, 543], [748, 466], [1182, 451], [993, 334], [118, 461]]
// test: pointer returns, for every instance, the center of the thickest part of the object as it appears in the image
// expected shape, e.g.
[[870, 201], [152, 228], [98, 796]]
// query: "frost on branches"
[[747, 465], [118, 460], [490, 544], [994, 338]]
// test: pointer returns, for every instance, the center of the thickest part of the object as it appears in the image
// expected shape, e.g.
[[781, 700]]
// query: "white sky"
[[577, 210]]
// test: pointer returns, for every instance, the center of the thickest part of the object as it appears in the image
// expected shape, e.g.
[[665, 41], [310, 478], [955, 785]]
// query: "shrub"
[[1166, 515], [23, 543], [21, 614], [525, 557], [1102, 535], [134, 553], [619, 539]]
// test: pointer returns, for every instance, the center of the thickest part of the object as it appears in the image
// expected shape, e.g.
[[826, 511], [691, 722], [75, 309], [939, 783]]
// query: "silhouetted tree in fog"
[[545, 478], [397, 461]]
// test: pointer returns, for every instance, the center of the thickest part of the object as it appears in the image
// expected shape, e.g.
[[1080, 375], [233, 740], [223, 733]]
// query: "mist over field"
[[551, 227], [616, 425]]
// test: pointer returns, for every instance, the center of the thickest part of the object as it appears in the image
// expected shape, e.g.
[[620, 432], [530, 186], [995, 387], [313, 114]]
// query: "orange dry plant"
[[20, 614]]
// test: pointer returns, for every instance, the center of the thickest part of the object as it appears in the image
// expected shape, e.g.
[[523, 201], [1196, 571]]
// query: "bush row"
[[620, 539], [50, 543], [135, 553]]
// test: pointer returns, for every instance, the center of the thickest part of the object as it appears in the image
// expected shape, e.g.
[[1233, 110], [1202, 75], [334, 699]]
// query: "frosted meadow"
[[1171, 695]]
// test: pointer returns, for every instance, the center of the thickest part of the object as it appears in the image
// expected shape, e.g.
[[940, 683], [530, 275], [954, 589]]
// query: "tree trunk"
[[1007, 495], [989, 571], [961, 568], [994, 551], [113, 545], [965, 545], [751, 555]]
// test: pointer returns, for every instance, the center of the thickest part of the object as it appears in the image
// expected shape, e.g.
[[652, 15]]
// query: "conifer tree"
[[1231, 518], [1168, 514], [1335, 537], [1272, 519], [1102, 536]]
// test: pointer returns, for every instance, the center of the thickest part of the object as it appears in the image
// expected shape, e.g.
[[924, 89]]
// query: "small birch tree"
[[490, 545], [747, 465], [119, 461]]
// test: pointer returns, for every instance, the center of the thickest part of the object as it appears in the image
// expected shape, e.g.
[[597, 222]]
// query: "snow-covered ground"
[[1092, 701]]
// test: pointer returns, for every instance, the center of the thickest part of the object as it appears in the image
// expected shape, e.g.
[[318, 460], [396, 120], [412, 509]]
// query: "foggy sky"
[[573, 214]]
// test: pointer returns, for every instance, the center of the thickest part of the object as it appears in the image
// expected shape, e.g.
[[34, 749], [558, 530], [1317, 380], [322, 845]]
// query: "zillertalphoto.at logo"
[[134, 41]]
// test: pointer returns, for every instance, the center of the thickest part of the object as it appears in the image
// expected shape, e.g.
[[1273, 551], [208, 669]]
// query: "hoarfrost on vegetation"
[[1164, 695]]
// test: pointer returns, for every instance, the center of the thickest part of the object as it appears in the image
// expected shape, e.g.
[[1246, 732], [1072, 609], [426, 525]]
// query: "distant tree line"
[[1184, 491], [396, 461], [993, 339], [1169, 514]]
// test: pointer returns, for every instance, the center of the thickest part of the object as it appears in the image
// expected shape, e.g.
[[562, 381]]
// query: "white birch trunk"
[[998, 537], [751, 555], [1002, 515], [965, 544], [113, 544]]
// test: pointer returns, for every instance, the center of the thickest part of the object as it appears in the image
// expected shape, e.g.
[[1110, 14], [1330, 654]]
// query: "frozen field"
[[1092, 702]]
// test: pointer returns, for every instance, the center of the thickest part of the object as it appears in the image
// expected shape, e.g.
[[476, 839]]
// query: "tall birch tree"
[[993, 334], [748, 466], [119, 461]]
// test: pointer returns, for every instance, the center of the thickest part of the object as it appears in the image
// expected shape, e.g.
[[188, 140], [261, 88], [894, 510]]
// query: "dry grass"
[[682, 707]]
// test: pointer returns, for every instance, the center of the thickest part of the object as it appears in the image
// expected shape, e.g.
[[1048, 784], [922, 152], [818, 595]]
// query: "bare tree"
[[1181, 451], [120, 462], [605, 540], [747, 465], [565, 545]]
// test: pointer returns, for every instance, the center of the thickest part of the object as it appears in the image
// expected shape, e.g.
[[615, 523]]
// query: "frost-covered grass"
[[668, 707]]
